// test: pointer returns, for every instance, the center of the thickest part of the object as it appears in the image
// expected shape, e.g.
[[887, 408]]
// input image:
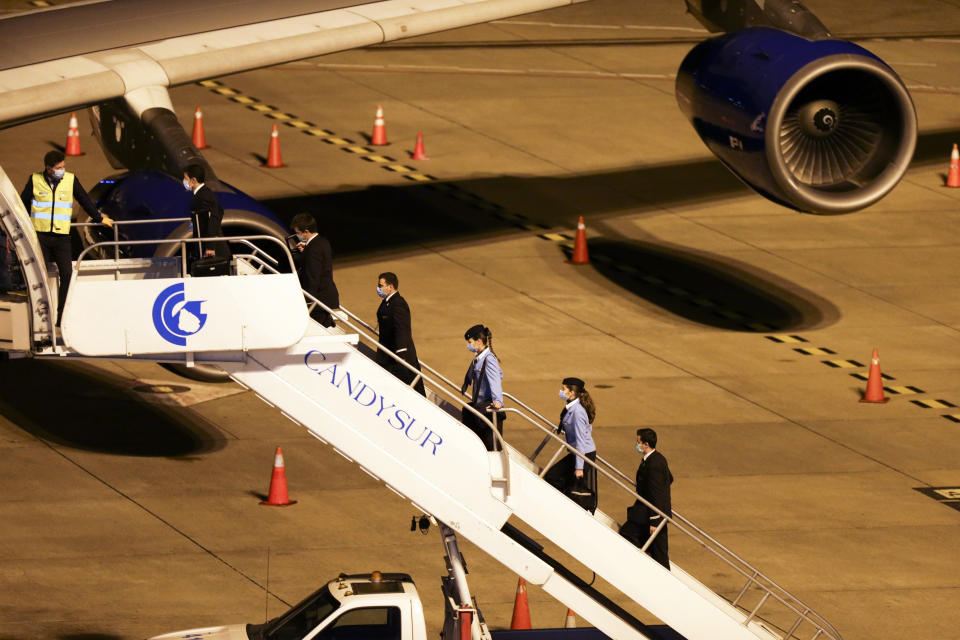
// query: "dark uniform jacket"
[[396, 332], [653, 485], [208, 216], [316, 272]]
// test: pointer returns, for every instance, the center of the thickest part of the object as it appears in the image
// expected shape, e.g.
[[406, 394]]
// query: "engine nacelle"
[[822, 126]]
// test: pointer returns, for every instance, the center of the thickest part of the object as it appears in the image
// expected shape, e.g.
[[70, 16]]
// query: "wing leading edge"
[[84, 75]]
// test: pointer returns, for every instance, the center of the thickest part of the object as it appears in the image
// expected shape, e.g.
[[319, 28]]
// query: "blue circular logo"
[[175, 318]]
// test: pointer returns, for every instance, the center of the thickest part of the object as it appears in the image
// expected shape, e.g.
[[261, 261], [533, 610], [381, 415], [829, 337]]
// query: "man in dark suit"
[[316, 267], [396, 332], [653, 485], [206, 212]]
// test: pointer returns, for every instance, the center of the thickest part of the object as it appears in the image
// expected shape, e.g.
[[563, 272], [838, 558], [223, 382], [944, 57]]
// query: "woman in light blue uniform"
[[484, 375], [571, 475]]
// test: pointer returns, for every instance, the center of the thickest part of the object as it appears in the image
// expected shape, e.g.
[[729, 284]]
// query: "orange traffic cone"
[[199, 139], [580, 245], [278, 484], [521, 608], [418, 152], [274, 159], [73, 138], [379, 136], [571, 621], [953, 175], [874, 381]]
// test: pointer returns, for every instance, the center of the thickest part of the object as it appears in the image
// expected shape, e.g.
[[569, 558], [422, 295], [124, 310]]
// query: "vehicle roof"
[[349, 588]]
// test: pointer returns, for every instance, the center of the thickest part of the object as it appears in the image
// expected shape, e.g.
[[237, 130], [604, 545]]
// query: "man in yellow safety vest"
[[49, 197]]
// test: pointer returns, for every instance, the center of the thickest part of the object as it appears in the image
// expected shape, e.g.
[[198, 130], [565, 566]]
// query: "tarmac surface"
[[734, 327]]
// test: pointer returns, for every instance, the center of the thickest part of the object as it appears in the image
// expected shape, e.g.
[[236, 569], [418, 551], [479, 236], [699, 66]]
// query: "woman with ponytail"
[[485, 375], [571, 474]]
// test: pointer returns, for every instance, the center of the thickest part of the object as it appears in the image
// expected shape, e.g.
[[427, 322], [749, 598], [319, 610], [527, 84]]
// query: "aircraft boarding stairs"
[[256, 327]]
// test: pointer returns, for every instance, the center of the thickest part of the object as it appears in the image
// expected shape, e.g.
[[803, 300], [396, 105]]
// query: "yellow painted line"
[[952, 417], [224, 91], [261, 107], [553, 237], [399, 168], [419, 177], [378, 159], [338, 141], [815, 351], [319, 132], [843, 364], [40, 3], [358, 150], [786, 339], [244, 99], [209, 83], [933, 404], [904, 391], [732, 315], [299, 124], [279, 115]]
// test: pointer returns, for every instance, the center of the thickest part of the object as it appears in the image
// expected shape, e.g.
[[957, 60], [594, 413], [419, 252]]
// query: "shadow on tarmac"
[[78, 406]]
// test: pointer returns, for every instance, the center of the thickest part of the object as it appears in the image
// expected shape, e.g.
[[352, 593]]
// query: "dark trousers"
[[407, 376], [57, 247], [638, 534], [583, 491], [322, 316], [6, 249], [482, 429]]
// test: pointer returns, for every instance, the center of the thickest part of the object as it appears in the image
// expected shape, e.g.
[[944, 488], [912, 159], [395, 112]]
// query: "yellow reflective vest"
[[51, 210]]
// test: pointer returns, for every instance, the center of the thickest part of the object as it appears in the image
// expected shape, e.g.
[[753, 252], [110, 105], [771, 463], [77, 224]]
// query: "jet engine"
[[821, 126]]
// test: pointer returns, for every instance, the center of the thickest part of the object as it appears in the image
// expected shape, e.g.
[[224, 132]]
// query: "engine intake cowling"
[[822, 126]]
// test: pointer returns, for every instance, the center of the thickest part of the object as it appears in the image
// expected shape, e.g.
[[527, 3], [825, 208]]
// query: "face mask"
[[563, 394], [381, 293], [639, 448], [471, 348], [58, 173], [186, 185]]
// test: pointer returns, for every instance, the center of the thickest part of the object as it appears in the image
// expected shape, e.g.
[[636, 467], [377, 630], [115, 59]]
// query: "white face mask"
[[471, 348], [186, 185], [563, 395], [59, 173], [639, 448]]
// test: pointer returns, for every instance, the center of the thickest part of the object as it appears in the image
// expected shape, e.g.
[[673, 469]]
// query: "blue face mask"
[[639, 449], [563, 395], [471, 348], [381, 293], [186, 185]]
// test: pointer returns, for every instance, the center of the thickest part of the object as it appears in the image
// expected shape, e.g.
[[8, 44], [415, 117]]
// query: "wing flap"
[[78, 81]]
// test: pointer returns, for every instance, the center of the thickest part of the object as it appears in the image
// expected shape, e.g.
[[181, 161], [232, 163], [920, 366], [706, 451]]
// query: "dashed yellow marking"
[[244, 99], [904, 391], [419, 177], [299, 124], [209, 83], [224, 91], [950, 493], [939, 403], [40, 3], [816, 351], [261, 107], [553, 237], [319, 132], [865, 377], [356, 149], [399, 168], [378, 159], [786, 339], [279, 115], [733, 315], [338, 141], [952, 417], [843, 364]]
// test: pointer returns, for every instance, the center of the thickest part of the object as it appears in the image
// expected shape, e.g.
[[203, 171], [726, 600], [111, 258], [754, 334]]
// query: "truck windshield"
[[303, 618]]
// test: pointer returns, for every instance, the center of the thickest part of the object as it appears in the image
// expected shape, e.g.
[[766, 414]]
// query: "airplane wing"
[[80, 55]]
